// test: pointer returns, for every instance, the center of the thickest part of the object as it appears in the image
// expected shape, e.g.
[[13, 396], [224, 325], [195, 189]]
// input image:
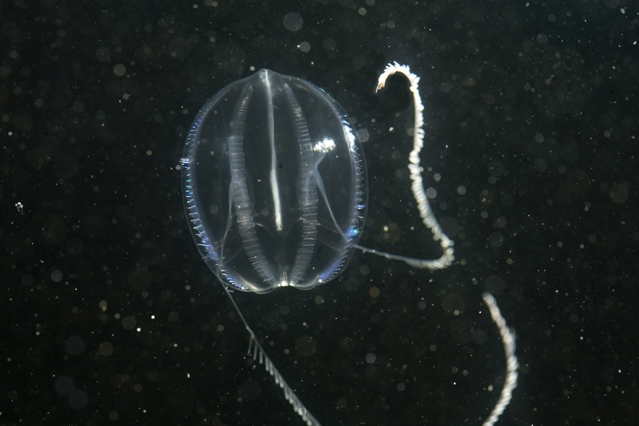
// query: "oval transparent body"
[[274, 184]]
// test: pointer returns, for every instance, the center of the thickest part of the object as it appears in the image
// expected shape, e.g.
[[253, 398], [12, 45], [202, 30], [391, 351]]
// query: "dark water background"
[[109, 316]]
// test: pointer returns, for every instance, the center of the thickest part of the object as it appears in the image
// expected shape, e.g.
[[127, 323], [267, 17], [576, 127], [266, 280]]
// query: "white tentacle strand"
[[416, 174]]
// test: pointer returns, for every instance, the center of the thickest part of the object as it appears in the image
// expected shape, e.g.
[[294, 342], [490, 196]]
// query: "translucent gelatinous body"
[[275, 184]]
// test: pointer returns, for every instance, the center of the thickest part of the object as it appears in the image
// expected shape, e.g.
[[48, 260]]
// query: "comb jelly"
[[275, 192]]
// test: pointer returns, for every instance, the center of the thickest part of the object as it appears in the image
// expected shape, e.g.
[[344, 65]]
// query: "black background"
[[110, 316]]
